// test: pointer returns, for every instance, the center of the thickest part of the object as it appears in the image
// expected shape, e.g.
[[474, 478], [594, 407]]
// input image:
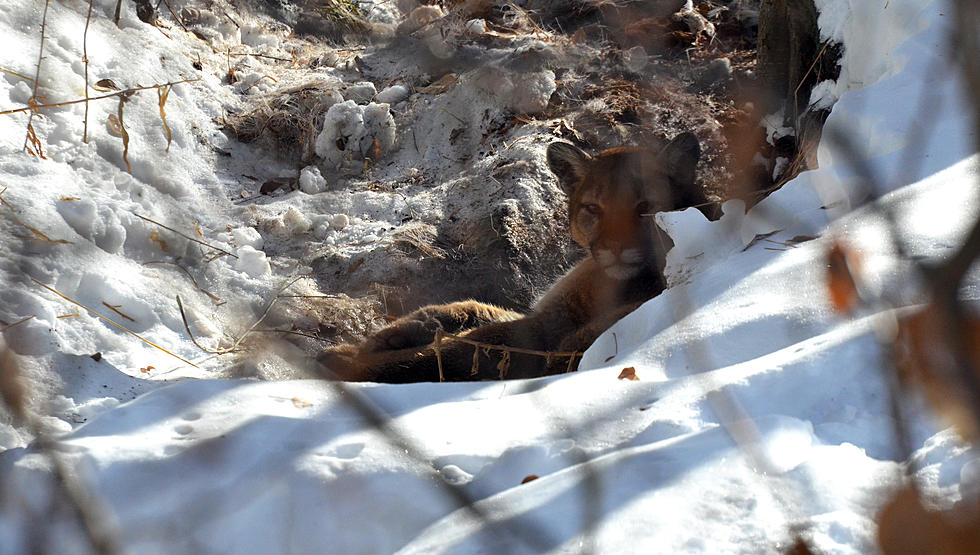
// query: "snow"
[[743, 344]]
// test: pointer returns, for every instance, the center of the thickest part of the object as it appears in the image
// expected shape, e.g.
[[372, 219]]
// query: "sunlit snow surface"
[[743, 342]]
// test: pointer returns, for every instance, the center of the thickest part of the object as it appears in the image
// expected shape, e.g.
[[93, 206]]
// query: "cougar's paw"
[[402, 335], [341, 363]]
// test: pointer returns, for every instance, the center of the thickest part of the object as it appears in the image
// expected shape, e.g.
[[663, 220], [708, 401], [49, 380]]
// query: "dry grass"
[[290, 119]]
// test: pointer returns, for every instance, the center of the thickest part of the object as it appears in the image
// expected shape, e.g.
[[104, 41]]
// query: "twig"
[[188, 237], [260, 56], [197, 285], [527, 531], [17, 323], [37, 77], [124, 135], [90, 513], [116, 310], [796, 111], [162, 94], [15, 74], [33, 230], [502, 367], [85, 61], [35, 107], [438, 350], [453, 115], [494, 347], [113, 322], [241, 338], [171, 10], [294, 332], [187, 327], [266, 313], [261, 77]]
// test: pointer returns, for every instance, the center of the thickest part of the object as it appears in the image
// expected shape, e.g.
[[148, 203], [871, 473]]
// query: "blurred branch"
[[89, 511]]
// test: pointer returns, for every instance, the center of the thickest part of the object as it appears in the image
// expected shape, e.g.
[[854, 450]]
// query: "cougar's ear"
[[681, 158], [568, 163]]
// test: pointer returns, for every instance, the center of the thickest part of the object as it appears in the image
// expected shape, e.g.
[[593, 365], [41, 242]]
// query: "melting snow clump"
[[252, 262], [311, 181], [355, 132]]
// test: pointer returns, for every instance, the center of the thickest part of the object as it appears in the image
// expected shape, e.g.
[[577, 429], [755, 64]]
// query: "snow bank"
[[743, 343]]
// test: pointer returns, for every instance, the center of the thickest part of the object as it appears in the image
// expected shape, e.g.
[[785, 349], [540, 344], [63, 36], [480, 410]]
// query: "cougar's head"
[[613, 196]]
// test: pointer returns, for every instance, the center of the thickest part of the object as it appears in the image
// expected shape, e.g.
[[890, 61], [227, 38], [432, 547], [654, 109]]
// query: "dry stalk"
[[15, 74], [31, 136], [17, 323], [250, 329], [796, 91], [187, 327], [176, 18], [299, 333], [36, 107], [117, 311], [188, 237], [33, 230], [504, 365], [88, 510], [259, 79], [88, 17], [437, 346], [214, 297], [124, 134], [519, 350], [162, 94], [254, 55], [113, 322]]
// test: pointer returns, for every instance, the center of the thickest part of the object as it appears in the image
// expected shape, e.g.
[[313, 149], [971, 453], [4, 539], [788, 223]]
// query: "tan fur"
[[611, 201]]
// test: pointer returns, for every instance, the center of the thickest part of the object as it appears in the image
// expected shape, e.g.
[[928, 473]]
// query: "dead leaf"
[[162, 95], [529, 478], [147, 369], [629, 373], [840, 282], [155, 237], [113, 126], [105, 85], [70, 198], [442, 85], [301, 404]]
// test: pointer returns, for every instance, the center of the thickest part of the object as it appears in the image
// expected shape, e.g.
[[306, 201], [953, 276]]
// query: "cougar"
[[612, 198]]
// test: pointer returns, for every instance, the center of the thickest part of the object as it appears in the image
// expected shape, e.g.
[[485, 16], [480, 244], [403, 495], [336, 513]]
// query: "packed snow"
[[179, 457]]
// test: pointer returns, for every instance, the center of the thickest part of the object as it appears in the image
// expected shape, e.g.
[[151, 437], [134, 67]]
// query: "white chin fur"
[[621, 271]]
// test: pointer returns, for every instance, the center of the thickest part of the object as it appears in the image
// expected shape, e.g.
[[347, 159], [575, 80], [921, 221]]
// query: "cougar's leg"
[[419, 328]]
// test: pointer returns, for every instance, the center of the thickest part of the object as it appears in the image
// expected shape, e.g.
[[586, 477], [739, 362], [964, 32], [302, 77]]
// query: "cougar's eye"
[[643, 208], [593, 209]]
